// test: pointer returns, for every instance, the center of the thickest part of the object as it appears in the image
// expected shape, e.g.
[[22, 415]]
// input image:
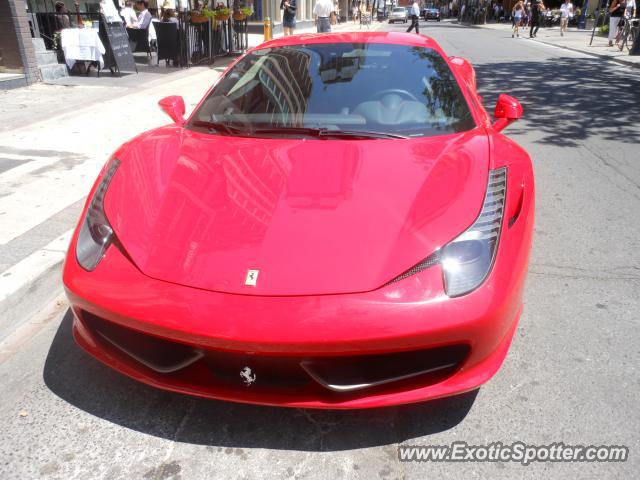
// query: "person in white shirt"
[[414, 13], [128, 14], [144, 16], [145, 20], [566, 13], [321, 12]]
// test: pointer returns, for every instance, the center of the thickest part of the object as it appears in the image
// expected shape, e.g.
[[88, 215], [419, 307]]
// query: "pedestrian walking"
[[321, 12], [288, 8], [415, 17], [365, 16], [566, 13], [616, 10], [516, 14], [536, 12], [354, 13]]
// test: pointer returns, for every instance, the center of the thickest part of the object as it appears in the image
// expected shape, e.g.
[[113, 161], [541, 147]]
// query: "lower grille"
[[326, 377], [359, 372]]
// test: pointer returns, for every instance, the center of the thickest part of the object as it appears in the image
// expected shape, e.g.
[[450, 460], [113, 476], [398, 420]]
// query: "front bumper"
[[412, 316]]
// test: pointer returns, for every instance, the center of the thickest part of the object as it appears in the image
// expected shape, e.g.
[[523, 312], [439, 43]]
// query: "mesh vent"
[[430, 261]]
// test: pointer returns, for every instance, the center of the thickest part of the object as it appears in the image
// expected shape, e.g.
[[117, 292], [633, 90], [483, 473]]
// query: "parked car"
[[339, 223], [431, 14], [398, 14]]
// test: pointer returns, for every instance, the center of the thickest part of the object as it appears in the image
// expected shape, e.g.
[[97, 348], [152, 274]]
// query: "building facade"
[[18, 64]]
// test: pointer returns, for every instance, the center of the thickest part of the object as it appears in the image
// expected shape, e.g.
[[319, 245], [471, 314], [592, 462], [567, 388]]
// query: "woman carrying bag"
[[616, 10], [288, 16]]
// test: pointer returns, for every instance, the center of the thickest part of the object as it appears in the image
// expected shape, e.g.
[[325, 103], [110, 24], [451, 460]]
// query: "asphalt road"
[[571, 375]]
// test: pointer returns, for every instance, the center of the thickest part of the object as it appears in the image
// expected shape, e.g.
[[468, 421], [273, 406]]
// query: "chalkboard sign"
[[116, 43]]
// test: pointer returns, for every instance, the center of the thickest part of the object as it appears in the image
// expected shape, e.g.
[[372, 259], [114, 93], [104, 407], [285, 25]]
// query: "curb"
[[619, 60], [11, 344], [31, 284]]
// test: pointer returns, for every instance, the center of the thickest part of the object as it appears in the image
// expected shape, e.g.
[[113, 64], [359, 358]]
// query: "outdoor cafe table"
[[82, 44]]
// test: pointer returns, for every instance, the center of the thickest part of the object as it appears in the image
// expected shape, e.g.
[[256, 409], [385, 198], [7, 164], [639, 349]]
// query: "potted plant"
[[243, 13], [200, 16], [590, 22], [221, 12]]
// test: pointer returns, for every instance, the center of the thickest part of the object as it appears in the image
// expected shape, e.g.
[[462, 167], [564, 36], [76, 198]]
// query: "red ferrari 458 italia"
[[338, 224]]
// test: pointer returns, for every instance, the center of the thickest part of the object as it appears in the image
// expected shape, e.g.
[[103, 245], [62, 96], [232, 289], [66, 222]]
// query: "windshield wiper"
[[359, 133], [220, 127], [322, 132]]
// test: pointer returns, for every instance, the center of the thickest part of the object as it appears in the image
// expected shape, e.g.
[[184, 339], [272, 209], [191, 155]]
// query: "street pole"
[[582, 21], [595, 22]]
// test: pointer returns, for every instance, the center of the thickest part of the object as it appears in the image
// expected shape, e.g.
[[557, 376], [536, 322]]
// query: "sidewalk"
[[575, 40]]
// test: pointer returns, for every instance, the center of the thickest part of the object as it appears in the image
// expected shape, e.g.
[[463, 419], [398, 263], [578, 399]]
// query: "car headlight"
[[466, 261], [96, 233]]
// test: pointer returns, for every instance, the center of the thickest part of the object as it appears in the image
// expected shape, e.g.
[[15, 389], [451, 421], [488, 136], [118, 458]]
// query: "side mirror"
[[508, 110], [466, 69], [174, 107]]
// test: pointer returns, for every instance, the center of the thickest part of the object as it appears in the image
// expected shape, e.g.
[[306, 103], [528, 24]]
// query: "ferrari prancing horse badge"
[[252, 278]]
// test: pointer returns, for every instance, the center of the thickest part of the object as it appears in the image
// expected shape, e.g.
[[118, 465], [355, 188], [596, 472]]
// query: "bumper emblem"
[[252, 278], [248, 377]]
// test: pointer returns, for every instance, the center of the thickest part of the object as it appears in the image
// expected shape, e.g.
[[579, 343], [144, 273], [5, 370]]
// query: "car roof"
[[393, 38]]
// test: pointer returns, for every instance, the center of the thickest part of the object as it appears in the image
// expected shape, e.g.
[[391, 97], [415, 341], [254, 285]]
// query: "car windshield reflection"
[[391, 90]]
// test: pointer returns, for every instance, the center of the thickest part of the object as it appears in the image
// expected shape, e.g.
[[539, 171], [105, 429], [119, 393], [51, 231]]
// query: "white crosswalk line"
[[28, 204], [32, 163], [23, 156]]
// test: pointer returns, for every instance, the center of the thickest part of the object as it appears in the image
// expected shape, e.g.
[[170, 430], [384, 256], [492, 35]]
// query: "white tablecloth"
[[81, 44]]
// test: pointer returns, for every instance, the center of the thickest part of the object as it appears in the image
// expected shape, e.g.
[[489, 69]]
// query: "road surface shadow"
[[567, 99], [85, 383]]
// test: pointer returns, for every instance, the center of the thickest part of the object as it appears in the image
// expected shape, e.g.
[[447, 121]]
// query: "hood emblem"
[[252, 278], [248, 377]]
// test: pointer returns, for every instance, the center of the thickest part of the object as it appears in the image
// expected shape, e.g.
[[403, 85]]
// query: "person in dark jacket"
[[536, 12], [62, 19], [288, 16]]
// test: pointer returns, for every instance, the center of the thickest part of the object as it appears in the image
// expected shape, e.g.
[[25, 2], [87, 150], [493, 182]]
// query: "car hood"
[[311, 216]]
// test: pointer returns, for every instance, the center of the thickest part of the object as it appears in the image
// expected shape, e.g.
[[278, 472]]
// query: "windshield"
[[375, 88], [398, 10]]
